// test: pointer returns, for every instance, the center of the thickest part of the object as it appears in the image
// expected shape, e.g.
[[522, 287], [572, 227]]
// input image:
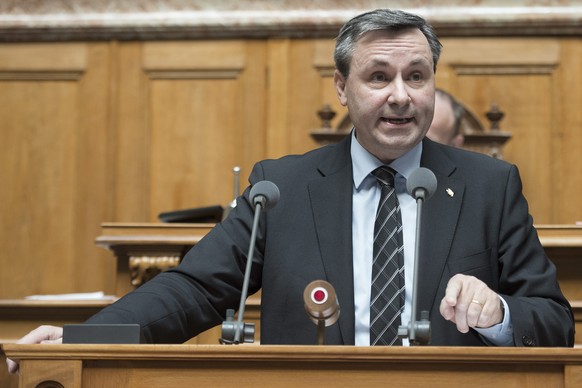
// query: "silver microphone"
[[264, 196], [421, 184]]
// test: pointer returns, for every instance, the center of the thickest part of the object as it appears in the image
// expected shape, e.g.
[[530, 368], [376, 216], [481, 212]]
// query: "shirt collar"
[[364, 162]]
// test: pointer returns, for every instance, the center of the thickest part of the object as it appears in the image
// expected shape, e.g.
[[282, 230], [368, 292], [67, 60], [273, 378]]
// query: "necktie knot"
[[385, 175]]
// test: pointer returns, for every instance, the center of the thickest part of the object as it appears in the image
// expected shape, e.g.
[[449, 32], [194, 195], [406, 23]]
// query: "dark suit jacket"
[[483, 230]]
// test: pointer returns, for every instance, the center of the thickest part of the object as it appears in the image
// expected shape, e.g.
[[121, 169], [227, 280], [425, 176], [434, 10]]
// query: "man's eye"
[[378, 77], [416, 77]]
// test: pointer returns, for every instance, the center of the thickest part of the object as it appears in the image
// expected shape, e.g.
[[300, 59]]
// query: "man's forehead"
[[409, 41]]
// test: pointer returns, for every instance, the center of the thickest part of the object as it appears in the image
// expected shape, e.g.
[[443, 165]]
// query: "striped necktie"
[[387, 294]]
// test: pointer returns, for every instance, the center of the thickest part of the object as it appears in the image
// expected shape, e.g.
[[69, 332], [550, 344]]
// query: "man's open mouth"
[[398, 121]]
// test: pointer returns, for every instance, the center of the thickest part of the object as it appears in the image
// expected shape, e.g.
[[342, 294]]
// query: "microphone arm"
[[264, 195], [245, 288], [421, 185], [418, 331]]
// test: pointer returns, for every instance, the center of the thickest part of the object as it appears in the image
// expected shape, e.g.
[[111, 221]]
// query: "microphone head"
[[320, 302], [266, 193], [422, 183]]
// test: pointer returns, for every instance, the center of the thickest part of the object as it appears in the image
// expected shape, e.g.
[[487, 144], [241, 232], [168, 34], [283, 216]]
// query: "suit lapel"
[[331, 201], [440, 216]]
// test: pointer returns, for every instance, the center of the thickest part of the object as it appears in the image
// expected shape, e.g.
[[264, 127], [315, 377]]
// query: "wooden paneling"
[[191, 111], [197, 105], [509, 72], [308, 86], [566, 142], [116, 131], [53, 166], [121, 131]]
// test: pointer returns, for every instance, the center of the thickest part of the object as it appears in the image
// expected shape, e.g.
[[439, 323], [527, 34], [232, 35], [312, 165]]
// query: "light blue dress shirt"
[[366, 194]]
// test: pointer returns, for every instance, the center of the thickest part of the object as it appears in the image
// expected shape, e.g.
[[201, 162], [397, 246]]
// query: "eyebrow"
[[421, 61], [414, 62]]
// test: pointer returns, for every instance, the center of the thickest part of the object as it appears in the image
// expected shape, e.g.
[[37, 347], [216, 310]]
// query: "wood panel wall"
[[55, 166], [121, 131]]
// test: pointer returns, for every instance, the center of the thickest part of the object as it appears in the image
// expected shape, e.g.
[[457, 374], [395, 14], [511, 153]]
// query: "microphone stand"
[[265, 195], [320, 331], [229, 325], [418, 332], [245, 288]]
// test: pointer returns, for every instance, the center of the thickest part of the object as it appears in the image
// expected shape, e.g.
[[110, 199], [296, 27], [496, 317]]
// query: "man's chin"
[[392, 148]]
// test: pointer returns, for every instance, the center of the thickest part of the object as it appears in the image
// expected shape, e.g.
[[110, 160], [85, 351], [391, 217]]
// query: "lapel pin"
[[450, 192]]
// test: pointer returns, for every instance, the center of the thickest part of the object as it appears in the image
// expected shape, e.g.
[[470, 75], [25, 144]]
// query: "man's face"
[[389, 91], [443, 122]]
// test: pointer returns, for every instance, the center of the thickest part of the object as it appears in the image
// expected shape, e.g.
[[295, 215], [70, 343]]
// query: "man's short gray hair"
[[380, 19]]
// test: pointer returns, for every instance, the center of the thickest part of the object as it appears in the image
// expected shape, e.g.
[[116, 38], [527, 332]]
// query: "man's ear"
[[458, 140], [340, 87]]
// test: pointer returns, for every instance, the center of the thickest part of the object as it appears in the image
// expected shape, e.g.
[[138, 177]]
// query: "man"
[[483, 273], [446, 123]]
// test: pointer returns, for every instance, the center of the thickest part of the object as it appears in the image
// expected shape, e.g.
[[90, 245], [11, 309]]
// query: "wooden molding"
[[93, 20]]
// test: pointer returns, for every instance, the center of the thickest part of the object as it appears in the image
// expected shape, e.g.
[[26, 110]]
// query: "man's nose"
[[398, 94]]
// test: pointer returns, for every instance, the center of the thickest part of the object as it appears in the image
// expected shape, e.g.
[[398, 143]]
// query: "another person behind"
[[446, 123], [484, 275]]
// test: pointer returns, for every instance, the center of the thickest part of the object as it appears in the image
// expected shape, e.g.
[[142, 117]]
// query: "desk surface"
[[295, 366], [260, 353]]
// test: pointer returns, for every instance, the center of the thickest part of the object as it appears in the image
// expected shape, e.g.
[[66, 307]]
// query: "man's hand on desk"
[[468, 302], [40, 335]]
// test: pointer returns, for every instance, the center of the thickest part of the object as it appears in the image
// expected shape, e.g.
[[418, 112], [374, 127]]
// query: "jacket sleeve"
[[185, 301], [540, 313]]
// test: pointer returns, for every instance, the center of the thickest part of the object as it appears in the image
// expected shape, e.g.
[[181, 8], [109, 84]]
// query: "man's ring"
[[477, 302]]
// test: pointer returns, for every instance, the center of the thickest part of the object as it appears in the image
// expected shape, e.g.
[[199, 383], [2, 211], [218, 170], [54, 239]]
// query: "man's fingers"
[[447, 311], [52, 342], [40, 335], [462, 302], [491, 313], [12, 366], [453, 290], [474, 311], [452, 307], [461, 311], [469, 303]]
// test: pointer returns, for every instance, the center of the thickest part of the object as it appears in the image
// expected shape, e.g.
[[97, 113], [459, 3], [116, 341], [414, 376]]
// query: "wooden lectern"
[[153, 366]]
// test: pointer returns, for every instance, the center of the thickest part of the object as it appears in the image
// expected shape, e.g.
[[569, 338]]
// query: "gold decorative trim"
[[144, 268]]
